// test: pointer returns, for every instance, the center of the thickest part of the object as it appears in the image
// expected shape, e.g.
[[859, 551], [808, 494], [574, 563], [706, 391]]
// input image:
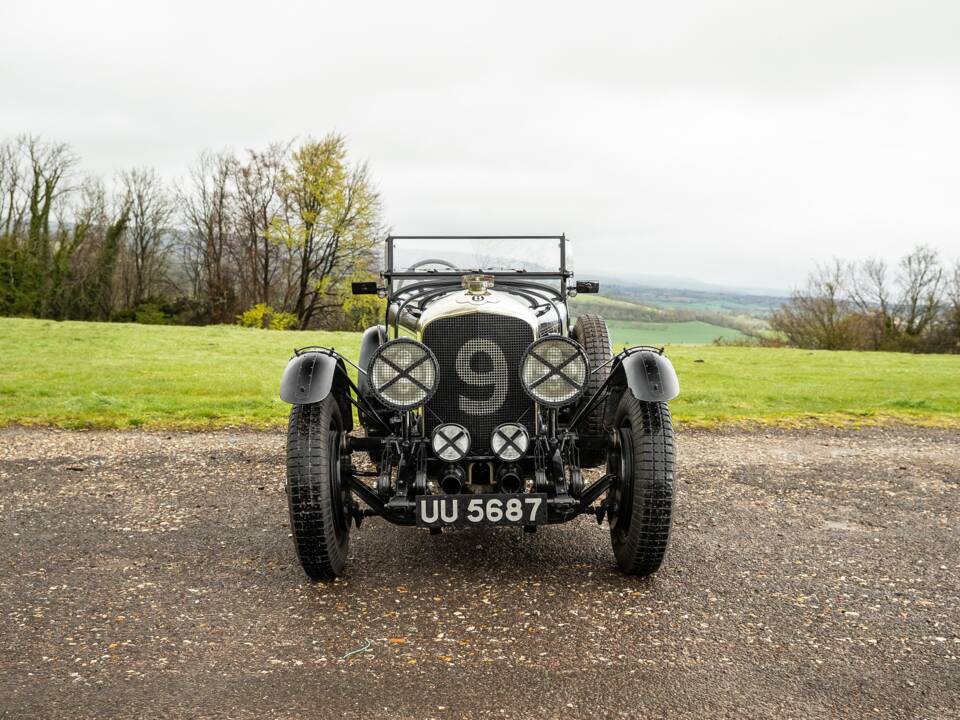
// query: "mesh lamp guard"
[[450, 435], [403, 373], [555, 370], [513, 435]]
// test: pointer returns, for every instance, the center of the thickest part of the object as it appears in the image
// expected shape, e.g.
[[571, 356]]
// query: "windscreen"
[[487, 254]]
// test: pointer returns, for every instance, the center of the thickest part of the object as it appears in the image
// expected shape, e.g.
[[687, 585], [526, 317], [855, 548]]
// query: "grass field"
[[631, 332], [116, 375]]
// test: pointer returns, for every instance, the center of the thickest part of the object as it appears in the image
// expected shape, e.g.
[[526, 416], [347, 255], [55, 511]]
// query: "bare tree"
[[871, 294], [921, 283], [206, 203], [72, 245], [819, 315], [953, 309], [150, 209], [257, 256], [13, 198]]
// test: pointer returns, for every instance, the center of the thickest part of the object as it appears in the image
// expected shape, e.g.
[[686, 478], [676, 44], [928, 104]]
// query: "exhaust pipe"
[[509, 480], [451, 482]]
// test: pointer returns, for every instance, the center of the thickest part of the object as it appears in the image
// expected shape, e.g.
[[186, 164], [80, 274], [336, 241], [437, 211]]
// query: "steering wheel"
[[432, 261]]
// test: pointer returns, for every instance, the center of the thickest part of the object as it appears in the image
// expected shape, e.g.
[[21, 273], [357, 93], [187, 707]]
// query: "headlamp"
[[403, 374], [554, 371]]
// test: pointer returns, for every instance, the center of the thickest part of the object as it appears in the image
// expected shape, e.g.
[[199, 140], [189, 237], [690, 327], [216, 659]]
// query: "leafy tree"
[[330, 224]]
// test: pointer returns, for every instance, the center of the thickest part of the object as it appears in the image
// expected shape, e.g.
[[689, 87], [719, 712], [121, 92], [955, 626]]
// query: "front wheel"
[[640, 504], [319, 501]]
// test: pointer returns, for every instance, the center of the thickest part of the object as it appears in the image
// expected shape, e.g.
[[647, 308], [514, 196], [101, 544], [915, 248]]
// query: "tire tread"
[[643, 549], [321, 553]]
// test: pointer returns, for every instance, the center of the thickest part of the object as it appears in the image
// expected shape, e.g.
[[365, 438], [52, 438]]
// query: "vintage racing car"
[[481, 406]]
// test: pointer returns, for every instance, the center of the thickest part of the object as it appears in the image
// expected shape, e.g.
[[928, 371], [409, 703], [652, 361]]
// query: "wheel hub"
[[339, 489], [619, 497]]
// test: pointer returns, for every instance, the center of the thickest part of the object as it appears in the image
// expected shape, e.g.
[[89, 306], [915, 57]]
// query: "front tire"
[[318, 500], [640, 504]]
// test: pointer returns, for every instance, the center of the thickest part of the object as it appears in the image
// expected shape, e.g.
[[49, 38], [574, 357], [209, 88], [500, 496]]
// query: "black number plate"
[[484, 510]]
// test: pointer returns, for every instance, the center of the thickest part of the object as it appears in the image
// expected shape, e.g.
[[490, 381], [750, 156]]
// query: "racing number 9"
[[477, 374]]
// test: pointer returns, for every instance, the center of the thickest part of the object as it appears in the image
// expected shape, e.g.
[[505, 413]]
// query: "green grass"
[[75, 374], [632, 332], [787, 387], [114, 375]]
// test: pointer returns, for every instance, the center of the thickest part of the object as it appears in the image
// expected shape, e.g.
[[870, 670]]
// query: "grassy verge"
[[80, 375]]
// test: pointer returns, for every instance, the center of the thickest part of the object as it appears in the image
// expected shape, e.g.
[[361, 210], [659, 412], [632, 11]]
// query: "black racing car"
[[481, 406]]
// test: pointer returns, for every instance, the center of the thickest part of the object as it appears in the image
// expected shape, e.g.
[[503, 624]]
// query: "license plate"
[[463, 511]]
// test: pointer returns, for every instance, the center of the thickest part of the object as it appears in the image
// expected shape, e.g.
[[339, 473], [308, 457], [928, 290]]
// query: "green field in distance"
[[631, 332]]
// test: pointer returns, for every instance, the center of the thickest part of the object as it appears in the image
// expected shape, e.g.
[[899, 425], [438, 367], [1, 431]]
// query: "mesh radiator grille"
[[479, 357]]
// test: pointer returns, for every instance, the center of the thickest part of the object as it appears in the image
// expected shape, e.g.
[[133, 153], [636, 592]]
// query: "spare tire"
[[592, 334]]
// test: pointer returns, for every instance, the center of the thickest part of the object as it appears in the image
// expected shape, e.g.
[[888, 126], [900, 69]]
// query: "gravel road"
[[811, 574]]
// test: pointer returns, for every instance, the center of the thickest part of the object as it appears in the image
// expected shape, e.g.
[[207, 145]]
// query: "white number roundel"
[[487, 378]]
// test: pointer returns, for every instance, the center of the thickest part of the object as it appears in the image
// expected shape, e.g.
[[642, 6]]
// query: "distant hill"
[[676, 282], [722, 302], [696, 323]]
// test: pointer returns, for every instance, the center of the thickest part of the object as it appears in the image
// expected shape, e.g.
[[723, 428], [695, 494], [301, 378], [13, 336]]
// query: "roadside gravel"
[[812, 574]]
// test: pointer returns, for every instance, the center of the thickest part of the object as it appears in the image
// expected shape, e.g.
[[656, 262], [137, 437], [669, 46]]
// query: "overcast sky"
[[732, 142]]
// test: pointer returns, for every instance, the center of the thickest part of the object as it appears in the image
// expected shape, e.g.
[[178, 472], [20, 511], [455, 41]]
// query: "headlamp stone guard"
[[555, 371], [404, 373], [510, 440], [450, 442]]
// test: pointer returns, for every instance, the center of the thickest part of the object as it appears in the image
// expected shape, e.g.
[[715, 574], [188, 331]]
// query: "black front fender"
[[308, 377], [650, 376]]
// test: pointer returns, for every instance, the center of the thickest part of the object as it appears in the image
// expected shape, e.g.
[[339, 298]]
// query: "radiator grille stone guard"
[[479, 357]]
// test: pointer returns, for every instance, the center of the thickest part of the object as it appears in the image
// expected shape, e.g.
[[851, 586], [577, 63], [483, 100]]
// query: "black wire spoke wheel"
[[640, 502], [317, 492]]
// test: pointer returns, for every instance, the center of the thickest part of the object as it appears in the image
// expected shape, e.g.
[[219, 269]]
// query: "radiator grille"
[[479, 357]]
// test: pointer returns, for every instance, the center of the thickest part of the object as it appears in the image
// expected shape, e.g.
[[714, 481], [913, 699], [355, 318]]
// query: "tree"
[[279, 227], [150, 210], [13, 201], [34, 179], [101, 304], [73, 241], [922, 288], [330, 224], [258, 258], [206, 206], [952, 311], [861, 308], [819, 316], [871, 293]]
